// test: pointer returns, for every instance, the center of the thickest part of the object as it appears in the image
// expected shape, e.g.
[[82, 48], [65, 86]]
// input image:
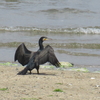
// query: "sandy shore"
[[68, 85]]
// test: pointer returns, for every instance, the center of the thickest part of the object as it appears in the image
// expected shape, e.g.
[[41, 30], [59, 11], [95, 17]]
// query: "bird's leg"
[[30, 72], [37, 69]]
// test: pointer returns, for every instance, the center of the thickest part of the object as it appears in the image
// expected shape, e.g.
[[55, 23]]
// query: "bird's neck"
[[41, 47]]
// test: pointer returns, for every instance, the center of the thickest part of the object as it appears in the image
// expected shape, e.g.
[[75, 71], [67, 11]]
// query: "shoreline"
[[50, 84], [64, 66]]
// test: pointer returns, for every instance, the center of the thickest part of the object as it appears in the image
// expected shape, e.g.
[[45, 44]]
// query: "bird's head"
[[42, 39]]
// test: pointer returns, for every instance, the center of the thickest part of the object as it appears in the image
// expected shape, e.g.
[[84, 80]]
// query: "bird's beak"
[[45, 39], [49, 39]]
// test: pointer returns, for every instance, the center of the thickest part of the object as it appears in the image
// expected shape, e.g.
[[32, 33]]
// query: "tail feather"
[[23, 72]]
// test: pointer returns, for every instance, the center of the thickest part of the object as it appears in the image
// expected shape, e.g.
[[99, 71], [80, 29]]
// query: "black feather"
[[47, 55], [23, 72], [23, 55], [34, 59]]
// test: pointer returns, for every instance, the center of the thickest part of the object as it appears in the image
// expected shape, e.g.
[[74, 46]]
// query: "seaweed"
[[80, 69], [57, 90], [3, 89], [8, 64]]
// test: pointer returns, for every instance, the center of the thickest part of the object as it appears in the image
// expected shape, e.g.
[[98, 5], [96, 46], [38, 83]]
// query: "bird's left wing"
[[47, 55]]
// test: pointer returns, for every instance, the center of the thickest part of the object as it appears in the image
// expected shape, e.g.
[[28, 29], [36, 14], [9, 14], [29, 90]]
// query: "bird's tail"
[[23, 72]]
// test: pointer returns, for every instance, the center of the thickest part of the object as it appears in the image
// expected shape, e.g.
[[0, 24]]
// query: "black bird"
[[34, 59]]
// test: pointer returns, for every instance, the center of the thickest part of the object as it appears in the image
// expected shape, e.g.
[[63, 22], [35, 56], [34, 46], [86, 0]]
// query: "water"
[[74, 26]]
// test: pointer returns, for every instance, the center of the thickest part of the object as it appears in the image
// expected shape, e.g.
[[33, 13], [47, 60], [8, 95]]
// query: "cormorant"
[[34, 59]]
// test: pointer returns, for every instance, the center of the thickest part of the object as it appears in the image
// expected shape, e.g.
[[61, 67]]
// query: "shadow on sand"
[[51, 74]]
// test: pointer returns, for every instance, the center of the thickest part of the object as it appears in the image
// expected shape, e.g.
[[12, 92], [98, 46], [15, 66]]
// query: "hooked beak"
[[45, 39], [49, 39]]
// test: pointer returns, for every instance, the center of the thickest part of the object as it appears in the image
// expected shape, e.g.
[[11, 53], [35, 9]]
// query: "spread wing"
[[22, 54], [47, 55]]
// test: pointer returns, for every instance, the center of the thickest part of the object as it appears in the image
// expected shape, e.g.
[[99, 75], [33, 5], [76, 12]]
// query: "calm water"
[[74, 26]]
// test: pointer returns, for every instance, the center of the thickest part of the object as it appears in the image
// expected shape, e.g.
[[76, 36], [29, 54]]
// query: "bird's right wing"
[[22, 54], [47, 55]]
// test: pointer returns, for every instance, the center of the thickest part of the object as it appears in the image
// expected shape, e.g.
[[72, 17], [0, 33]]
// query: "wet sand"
[[73, 85]]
